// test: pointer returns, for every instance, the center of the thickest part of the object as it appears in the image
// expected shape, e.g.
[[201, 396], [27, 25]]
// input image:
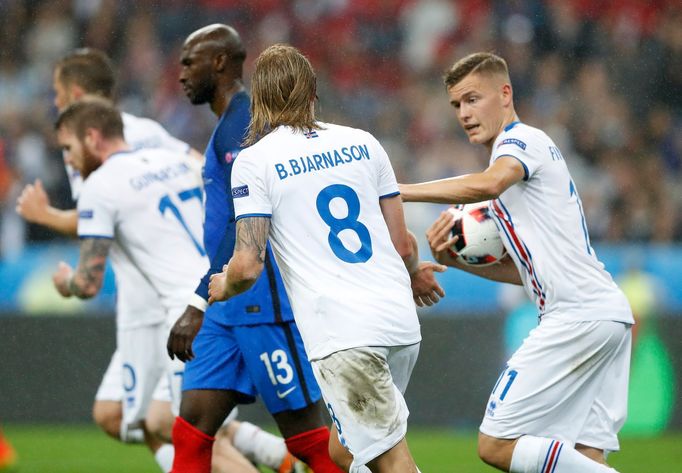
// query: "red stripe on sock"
[[552, 457]]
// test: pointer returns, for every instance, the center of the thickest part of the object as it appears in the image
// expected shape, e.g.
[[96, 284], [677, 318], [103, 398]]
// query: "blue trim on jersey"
[[511, 125], [525, 168], [393, 194], [96, 236], [239, 217]]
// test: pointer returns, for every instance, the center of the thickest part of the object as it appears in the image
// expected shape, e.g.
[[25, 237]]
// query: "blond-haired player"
[[558, 405]]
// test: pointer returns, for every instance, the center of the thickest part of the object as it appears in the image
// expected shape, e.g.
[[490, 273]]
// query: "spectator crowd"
[[603, 78]]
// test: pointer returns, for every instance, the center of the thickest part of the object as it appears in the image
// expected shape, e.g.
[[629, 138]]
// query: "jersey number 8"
[[350, 222]]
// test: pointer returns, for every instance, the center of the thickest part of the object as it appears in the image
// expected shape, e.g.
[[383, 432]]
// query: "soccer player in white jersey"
[[327, 198], [558, 405], [143, 209]]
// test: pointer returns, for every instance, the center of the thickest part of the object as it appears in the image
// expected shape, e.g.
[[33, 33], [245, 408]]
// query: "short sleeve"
[[249, 192], [96, 212], [387, 185], [517, 146]]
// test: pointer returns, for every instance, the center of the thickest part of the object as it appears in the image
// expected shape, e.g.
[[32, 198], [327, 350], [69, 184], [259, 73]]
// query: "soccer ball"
[[479, 242]]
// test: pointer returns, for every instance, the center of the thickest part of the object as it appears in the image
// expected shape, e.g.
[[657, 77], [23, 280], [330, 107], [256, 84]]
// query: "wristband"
[[198, 302]]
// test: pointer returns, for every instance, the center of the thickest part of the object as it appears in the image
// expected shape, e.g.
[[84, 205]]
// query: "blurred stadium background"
[[602, 78]]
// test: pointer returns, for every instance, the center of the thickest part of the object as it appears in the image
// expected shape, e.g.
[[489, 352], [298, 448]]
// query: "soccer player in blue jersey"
[[248, 345]]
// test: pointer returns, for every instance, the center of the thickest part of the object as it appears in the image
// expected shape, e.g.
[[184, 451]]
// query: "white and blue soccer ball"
[[479, 242]]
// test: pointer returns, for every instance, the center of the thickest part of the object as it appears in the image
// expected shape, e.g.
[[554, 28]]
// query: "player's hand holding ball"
[[439, 236]]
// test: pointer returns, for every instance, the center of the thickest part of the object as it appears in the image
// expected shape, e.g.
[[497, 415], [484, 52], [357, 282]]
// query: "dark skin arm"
[[183, 333], [86, 281]]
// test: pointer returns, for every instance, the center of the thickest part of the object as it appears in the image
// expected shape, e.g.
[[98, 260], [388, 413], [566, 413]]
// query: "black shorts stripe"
[[297, 360]]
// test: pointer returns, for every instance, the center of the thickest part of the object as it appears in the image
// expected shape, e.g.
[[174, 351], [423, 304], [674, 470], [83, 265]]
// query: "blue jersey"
[[266, 301]]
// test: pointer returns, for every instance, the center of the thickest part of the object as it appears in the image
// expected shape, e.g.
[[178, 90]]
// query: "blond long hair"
[[283, 90]]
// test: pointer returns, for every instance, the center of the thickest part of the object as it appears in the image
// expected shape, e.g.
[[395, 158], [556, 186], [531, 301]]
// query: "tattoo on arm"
[[87, 280], [252, 236]]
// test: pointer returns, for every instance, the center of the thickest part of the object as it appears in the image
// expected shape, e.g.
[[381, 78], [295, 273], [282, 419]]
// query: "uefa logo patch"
[[512, 141], [241, 191]]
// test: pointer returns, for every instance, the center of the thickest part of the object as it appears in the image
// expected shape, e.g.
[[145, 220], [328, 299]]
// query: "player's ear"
[[220, 62], [92, 138], [76, 92], [507, 94]]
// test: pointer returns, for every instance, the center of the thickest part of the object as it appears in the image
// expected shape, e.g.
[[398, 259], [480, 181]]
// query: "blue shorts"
[[266, 360]]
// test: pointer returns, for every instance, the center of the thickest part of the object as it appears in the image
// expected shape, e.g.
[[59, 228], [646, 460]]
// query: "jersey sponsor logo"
[[322, 161], [512, 141], [284, 394], [241, 191], [86, 214]]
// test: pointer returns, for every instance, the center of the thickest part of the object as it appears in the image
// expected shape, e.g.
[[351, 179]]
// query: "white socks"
[[259, 446], [543, 455], [164, 457]]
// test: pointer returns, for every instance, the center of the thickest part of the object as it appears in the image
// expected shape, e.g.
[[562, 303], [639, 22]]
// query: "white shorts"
[[363, 390], [568, 381], [140, 370]]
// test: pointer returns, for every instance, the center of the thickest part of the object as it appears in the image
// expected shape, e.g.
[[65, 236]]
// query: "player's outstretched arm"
[[425, 288], [489, 184], [439, 236], [86, 281], [34, 206], [247, 262]]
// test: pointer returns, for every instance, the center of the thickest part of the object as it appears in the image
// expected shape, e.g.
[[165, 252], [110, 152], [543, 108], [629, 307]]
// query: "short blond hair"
[[283, 89], [476, 63]]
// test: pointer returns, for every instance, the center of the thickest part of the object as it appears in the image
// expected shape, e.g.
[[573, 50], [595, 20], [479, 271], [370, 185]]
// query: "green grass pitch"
[[81, 449]]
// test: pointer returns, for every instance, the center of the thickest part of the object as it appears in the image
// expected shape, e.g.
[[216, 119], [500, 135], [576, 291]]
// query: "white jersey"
[[542, 224], [347, 284], [138, 133], [149, 202]]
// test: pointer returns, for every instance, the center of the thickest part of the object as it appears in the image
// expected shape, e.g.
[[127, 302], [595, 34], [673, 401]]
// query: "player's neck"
[[110, 148], [508, 120], [224, 96]]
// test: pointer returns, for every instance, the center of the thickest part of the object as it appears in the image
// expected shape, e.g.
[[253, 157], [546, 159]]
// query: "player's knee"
[[107, 415], [159, 422]]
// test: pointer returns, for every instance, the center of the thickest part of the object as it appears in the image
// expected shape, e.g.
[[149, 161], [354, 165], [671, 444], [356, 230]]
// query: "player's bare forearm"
[[246, 263], [62, 221], [467, 188], [454, 190], [503, 271], [89, 275], [34, 206]]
